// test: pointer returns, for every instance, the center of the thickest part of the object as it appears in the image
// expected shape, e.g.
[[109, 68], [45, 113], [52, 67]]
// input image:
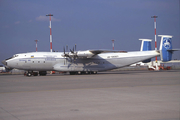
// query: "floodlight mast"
[[155, 30], [50, 31], [155, 37], [36, 44], [113, 44]]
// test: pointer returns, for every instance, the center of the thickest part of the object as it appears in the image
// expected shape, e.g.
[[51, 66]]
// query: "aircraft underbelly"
[[78, 67]]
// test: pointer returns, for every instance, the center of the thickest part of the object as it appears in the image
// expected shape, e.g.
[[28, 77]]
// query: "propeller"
[[73, 52], [66, 55]]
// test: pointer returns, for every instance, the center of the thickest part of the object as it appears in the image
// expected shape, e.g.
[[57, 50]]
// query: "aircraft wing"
[[95, 52], [92, 53]]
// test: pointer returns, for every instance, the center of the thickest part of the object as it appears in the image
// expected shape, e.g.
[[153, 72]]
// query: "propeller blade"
[[72, 51], [75, 47], [67, 48]]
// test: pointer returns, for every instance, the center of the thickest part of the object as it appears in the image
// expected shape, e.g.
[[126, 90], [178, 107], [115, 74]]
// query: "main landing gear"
[[82, 72], [30, 73]]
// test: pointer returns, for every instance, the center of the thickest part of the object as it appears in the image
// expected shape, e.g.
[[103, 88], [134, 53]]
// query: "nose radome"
[[4, 62]]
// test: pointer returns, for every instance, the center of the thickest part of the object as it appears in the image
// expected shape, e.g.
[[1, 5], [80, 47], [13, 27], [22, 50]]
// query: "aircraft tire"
[[35, 73], [29, 74], [79, 72], [72, 73], [86, 72], [94, 72], [42, 73]]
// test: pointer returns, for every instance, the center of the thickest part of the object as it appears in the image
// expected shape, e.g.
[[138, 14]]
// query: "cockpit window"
[[12, 57], [15, 55]]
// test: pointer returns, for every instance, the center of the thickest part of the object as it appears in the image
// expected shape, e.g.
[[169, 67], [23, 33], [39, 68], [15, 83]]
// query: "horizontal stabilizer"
[[172, 50]]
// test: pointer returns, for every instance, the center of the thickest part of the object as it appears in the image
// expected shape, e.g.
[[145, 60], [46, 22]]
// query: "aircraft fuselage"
[[54, 61]]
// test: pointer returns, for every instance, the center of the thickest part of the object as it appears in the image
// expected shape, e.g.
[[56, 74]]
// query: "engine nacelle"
[[84, 54]]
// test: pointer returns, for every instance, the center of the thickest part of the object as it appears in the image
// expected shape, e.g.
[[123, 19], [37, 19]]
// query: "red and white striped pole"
[[50, 31], [155, 37], [113, 44], [155, 30], [36, 44]]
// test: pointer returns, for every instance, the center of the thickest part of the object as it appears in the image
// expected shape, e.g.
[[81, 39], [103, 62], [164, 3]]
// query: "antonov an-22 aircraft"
[[89, 61]]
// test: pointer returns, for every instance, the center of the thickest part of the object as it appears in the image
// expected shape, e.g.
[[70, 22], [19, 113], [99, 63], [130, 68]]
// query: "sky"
[[90, 24]]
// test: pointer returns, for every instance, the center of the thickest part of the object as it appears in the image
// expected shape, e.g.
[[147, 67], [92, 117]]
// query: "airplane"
[[2, 68], [88, 61], [145, 46]]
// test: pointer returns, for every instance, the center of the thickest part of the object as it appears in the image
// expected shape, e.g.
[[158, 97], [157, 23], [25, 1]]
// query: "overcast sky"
[[91, 24]]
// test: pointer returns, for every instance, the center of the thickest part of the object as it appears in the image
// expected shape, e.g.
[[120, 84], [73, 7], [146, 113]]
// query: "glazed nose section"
[[4, 62]]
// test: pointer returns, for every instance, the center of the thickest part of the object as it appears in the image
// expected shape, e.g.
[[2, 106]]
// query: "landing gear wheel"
[[29, 74], [79, 73], [42, 73], [72, 73], [35, 73], [94, 72]]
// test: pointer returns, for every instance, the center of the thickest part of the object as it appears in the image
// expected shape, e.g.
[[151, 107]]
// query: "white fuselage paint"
[[49, 61]]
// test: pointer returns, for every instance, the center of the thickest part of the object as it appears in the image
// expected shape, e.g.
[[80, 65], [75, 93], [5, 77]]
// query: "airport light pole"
[[50, 31], [113, 44], [36, 44], [155, 37]]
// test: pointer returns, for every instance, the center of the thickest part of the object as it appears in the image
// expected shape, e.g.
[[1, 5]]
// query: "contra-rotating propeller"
[[66, 55], [73, 54]]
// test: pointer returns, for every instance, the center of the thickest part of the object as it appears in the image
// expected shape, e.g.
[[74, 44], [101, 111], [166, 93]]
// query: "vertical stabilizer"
[[165, 47], [145, 46]]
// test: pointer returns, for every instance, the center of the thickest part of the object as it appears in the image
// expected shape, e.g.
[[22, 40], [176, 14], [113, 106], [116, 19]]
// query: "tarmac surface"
[[120, 95]]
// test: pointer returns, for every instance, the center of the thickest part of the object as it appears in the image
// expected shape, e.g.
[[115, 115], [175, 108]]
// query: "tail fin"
[[165, 48], [145, 46]]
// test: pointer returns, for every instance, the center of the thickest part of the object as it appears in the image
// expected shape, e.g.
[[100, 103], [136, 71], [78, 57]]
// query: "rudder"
[[165, 47], [146, 46]]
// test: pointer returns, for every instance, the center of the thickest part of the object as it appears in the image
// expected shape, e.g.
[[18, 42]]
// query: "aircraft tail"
[[145, 46], [166, 48]]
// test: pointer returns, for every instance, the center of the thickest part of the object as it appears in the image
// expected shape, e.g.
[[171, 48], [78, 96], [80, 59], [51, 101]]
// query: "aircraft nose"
[[4, 62]]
